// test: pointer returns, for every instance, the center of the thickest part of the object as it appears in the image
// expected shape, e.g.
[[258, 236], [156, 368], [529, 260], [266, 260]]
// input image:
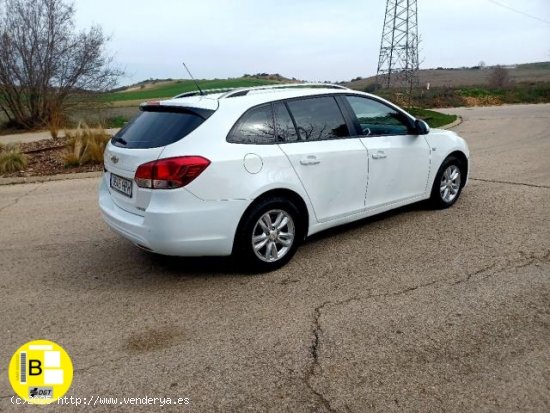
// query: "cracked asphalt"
[[415, 310]]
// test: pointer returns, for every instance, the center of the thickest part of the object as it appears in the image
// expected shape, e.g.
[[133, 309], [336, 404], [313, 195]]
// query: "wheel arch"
[[461, 156], [289, 194]]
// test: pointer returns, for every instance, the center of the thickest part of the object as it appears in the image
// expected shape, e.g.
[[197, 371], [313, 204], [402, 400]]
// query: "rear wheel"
[[448, 183], [268, 235]]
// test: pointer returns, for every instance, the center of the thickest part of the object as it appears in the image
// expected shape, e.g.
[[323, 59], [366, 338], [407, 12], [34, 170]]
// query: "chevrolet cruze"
[[253, 172]]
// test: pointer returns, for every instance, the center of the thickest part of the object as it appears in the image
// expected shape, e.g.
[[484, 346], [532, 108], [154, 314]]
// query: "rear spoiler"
[[157, 107]]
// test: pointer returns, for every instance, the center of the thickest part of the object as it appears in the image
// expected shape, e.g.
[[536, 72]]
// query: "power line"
[[519, 11]]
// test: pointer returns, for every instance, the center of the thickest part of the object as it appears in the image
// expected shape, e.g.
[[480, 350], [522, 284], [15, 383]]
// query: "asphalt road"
[[417, 310]]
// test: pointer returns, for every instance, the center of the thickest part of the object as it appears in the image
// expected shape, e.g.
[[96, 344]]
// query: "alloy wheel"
[[450, 184], [273, 235]]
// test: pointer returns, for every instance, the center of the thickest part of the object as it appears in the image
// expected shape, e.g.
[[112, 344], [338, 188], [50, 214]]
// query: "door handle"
[[310, 160], [379, 155]]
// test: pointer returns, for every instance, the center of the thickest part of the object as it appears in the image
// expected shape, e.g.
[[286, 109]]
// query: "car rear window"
[[159, 126]]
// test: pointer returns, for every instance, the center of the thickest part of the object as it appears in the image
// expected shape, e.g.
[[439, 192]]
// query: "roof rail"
[[242, 91], [204, 92], [245, 90]]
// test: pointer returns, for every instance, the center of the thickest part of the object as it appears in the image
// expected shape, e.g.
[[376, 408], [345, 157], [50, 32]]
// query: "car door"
[[399, 161], [331, 165]]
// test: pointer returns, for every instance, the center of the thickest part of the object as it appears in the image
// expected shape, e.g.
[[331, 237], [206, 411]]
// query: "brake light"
[[170, 172]]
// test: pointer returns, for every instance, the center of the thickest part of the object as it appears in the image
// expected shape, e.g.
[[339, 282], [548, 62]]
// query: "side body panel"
[[334, 174], [399, 168]]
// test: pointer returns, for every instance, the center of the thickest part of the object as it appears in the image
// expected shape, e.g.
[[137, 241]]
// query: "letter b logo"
[[40, 371], [35, 368]]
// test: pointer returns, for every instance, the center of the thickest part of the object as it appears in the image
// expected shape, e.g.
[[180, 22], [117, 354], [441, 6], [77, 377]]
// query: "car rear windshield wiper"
[[120, 140]]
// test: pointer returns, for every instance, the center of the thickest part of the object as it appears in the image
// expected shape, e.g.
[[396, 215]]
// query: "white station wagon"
[[252, 172]]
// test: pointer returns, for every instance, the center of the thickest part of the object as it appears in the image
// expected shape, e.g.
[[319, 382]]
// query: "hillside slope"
[[531, 72], [157, 89]]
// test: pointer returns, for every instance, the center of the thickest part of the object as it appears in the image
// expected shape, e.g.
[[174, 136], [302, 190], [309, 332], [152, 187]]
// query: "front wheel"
[[269, 235], [448, 183]]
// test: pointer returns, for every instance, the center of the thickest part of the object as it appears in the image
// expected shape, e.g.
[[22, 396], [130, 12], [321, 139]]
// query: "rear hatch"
[[142, 141]]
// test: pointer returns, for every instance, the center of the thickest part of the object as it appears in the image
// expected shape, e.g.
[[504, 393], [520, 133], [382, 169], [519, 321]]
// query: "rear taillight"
[[170, 172]]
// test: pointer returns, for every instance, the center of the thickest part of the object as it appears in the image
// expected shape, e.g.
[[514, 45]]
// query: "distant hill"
[[165, 88], [476, 76]]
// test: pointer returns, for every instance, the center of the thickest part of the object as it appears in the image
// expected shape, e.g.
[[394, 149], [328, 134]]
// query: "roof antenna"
[[196, 83]]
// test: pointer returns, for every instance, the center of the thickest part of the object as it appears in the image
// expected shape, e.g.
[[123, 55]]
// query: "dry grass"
[[12, 160], [57, 119], [86, 146], [481, 101]]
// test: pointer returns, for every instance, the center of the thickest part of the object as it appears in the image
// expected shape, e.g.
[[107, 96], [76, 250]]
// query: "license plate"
[[122, 185]]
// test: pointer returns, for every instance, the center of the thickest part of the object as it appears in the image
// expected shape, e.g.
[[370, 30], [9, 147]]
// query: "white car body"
[[339, 180]]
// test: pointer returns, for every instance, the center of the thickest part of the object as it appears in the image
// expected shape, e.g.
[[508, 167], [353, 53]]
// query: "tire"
[[448, 183], [260, 231]]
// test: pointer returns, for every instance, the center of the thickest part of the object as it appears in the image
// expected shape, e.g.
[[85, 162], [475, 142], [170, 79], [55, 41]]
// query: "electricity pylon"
[[398, 61]]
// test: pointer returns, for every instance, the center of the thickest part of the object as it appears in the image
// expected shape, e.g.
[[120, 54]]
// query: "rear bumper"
[[176, 223]]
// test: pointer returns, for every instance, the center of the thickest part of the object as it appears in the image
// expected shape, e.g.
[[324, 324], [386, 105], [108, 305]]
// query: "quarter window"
[[376, 118], [255, 127], [318, 119]]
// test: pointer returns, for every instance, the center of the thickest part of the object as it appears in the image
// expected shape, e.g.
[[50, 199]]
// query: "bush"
[[373, 87], [12, 160], [499, 77], [86, 146], [475, 92], [57, 119], [116, 122]]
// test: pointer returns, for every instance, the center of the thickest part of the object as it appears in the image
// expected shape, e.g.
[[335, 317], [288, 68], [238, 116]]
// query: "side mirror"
[[421, 127]]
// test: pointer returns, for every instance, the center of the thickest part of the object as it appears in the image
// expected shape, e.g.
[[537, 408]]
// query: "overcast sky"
[[308, 39]]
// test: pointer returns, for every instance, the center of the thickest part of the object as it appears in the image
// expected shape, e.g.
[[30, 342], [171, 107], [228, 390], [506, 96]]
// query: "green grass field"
[[173, 88], [433, 118]]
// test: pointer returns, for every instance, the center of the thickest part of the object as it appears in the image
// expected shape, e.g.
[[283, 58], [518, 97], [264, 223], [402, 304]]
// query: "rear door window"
[[255, 127], [318, 118], [159, 127], [286, 132]]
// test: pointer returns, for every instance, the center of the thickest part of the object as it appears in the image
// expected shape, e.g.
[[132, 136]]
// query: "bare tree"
[[499, 77], [46, 65]]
